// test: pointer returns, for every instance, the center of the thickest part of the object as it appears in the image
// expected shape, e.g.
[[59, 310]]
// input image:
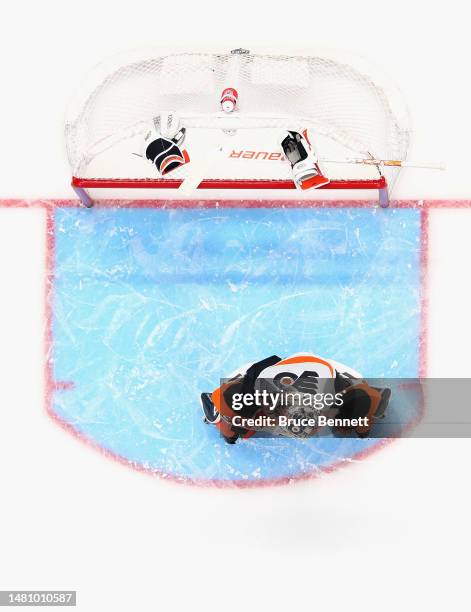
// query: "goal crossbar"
[[81, 185]]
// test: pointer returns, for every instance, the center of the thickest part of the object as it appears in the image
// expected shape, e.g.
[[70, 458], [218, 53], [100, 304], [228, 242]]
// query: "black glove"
[[166, 154]]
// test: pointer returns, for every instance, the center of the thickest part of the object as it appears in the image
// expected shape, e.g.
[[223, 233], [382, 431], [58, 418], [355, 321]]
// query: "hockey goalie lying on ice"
[[164, 149], [294, 397]]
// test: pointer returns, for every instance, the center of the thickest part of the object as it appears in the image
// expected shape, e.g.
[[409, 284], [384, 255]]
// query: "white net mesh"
[[348, 114]]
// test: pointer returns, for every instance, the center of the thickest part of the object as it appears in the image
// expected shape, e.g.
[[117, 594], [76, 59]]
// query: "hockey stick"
[[385, 162], [199, 169]]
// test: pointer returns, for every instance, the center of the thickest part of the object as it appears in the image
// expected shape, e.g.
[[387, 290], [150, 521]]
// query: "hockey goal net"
[[346, 112]]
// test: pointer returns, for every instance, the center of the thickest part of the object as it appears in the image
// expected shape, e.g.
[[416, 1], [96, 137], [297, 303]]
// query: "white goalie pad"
[[249, 154]]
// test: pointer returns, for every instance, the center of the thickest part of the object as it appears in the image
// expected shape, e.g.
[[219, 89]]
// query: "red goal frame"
[[81, 185]]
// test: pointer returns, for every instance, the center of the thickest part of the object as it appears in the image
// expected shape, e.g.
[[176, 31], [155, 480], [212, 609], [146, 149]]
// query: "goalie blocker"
[[299, 153]]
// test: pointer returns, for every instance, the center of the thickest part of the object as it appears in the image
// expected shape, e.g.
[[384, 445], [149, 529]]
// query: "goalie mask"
[[299, 387]]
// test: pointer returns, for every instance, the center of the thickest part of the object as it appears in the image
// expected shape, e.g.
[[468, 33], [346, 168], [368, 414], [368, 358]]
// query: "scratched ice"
[[152, 307]]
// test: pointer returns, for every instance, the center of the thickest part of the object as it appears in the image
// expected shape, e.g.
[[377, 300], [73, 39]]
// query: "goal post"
[[347, 112]]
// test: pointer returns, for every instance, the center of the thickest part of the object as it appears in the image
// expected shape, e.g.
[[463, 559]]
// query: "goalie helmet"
[[298, 382]]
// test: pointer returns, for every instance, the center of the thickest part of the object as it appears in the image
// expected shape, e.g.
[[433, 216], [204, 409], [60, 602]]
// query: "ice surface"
[[152, 307]]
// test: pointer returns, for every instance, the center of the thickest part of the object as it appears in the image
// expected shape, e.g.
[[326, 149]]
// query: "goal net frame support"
[[82, 185]]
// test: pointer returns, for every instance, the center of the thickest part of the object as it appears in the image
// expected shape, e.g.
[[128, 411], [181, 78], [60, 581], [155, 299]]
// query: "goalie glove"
[[360, 400], [162, 144], [306, 171]]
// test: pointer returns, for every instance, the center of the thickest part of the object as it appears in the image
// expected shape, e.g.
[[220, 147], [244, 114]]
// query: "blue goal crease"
[[152, 307]]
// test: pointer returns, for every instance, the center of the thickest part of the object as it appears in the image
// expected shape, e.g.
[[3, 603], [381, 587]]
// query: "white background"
[[389, 533]]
